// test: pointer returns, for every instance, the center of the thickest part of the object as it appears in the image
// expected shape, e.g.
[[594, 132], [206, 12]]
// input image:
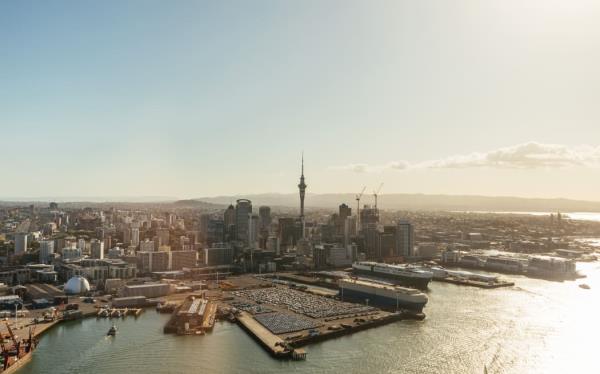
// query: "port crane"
[[376, 193], [358, 197]]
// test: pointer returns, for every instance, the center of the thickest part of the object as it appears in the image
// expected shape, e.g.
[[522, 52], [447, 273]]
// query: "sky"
[[204, 98]]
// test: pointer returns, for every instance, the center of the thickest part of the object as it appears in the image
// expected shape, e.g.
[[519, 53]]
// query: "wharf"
[[474, 283], [276, 346], [194, 316]]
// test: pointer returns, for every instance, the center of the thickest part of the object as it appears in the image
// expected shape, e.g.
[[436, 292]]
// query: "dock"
[[275, 345], [195, 316], [474, 283]]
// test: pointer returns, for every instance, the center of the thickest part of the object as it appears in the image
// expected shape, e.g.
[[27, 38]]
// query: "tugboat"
[[584, 286], [112, 331]]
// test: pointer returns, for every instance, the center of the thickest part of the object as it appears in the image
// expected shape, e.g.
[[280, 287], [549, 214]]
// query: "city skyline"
[[209, 99]]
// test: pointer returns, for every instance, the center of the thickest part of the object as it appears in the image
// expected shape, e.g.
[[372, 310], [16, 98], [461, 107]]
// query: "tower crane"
[[358, 197], [376, 193]]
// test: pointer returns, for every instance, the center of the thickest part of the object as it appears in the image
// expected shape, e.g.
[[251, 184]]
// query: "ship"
[[552, 267], [504, 264], [407, 275], [383, 294]]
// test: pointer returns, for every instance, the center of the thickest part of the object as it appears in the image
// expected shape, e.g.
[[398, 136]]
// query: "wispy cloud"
[[531, 155]]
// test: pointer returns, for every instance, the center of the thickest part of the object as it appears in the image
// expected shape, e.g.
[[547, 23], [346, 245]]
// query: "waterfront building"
[[218, 254], [181, 259]]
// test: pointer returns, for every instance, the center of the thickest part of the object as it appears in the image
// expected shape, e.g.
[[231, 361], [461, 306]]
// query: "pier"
[[275, 345]]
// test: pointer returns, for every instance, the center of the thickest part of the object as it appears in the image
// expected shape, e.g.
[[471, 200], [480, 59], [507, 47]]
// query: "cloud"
[[366, 168], [531, 155]]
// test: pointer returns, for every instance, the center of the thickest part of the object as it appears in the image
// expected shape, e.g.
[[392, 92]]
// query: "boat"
[[112, 331], [552, 267], [383, 294], [584, 286], [407, 275]]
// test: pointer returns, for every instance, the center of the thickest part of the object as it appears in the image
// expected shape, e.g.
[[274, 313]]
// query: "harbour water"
[[537, 326]]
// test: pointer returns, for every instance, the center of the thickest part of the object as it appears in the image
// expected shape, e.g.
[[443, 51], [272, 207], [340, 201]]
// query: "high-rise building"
[[97, 248], [287, 231], [253, 230], [218, 254], [243, 212], [229, 223], [368, 216], [108, 242], [264, 213], [372, 242], [404, 239], [340, 221], [127, 235], [349, 229], [81, 244], [163, 237], [215, 231], [20, 243], [135, 236], [183, 259], [46, 251], [302, 189]]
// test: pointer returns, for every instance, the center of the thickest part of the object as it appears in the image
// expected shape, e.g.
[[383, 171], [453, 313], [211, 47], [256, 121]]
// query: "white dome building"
[[77, 285]]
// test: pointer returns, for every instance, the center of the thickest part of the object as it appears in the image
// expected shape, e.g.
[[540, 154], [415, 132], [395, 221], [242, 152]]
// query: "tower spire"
[[302, 189]]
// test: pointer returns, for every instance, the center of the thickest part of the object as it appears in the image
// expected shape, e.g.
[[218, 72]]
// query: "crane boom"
[[358, 197], [376, 193]]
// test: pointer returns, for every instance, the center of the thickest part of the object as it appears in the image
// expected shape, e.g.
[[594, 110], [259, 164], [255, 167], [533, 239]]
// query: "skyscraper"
[[97, 248], [243, 210], [20, 243], [46, 250], [229, 222], [302, 188], [404, 239], [135, 236]]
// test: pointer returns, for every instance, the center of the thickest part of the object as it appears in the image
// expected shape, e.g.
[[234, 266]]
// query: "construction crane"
[[376, 193], [13, 337], [358, 197]]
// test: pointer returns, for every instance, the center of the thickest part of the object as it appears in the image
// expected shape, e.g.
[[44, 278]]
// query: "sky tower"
[[302, 188]]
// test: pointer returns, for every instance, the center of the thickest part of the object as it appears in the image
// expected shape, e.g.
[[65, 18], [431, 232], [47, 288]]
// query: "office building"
[[218, 254], [243, 212], [97, 249], [46, 251], [405, 235], [20, 243]]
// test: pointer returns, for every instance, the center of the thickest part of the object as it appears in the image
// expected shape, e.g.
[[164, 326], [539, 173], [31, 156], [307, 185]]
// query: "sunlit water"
[[535, 327], [579, 216]]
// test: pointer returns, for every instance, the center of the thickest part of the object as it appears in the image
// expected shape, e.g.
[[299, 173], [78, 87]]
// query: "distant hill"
[[418, 202]]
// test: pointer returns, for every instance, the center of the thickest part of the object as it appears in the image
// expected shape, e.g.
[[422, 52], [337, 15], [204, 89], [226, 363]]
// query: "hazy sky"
[[199, 98]]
